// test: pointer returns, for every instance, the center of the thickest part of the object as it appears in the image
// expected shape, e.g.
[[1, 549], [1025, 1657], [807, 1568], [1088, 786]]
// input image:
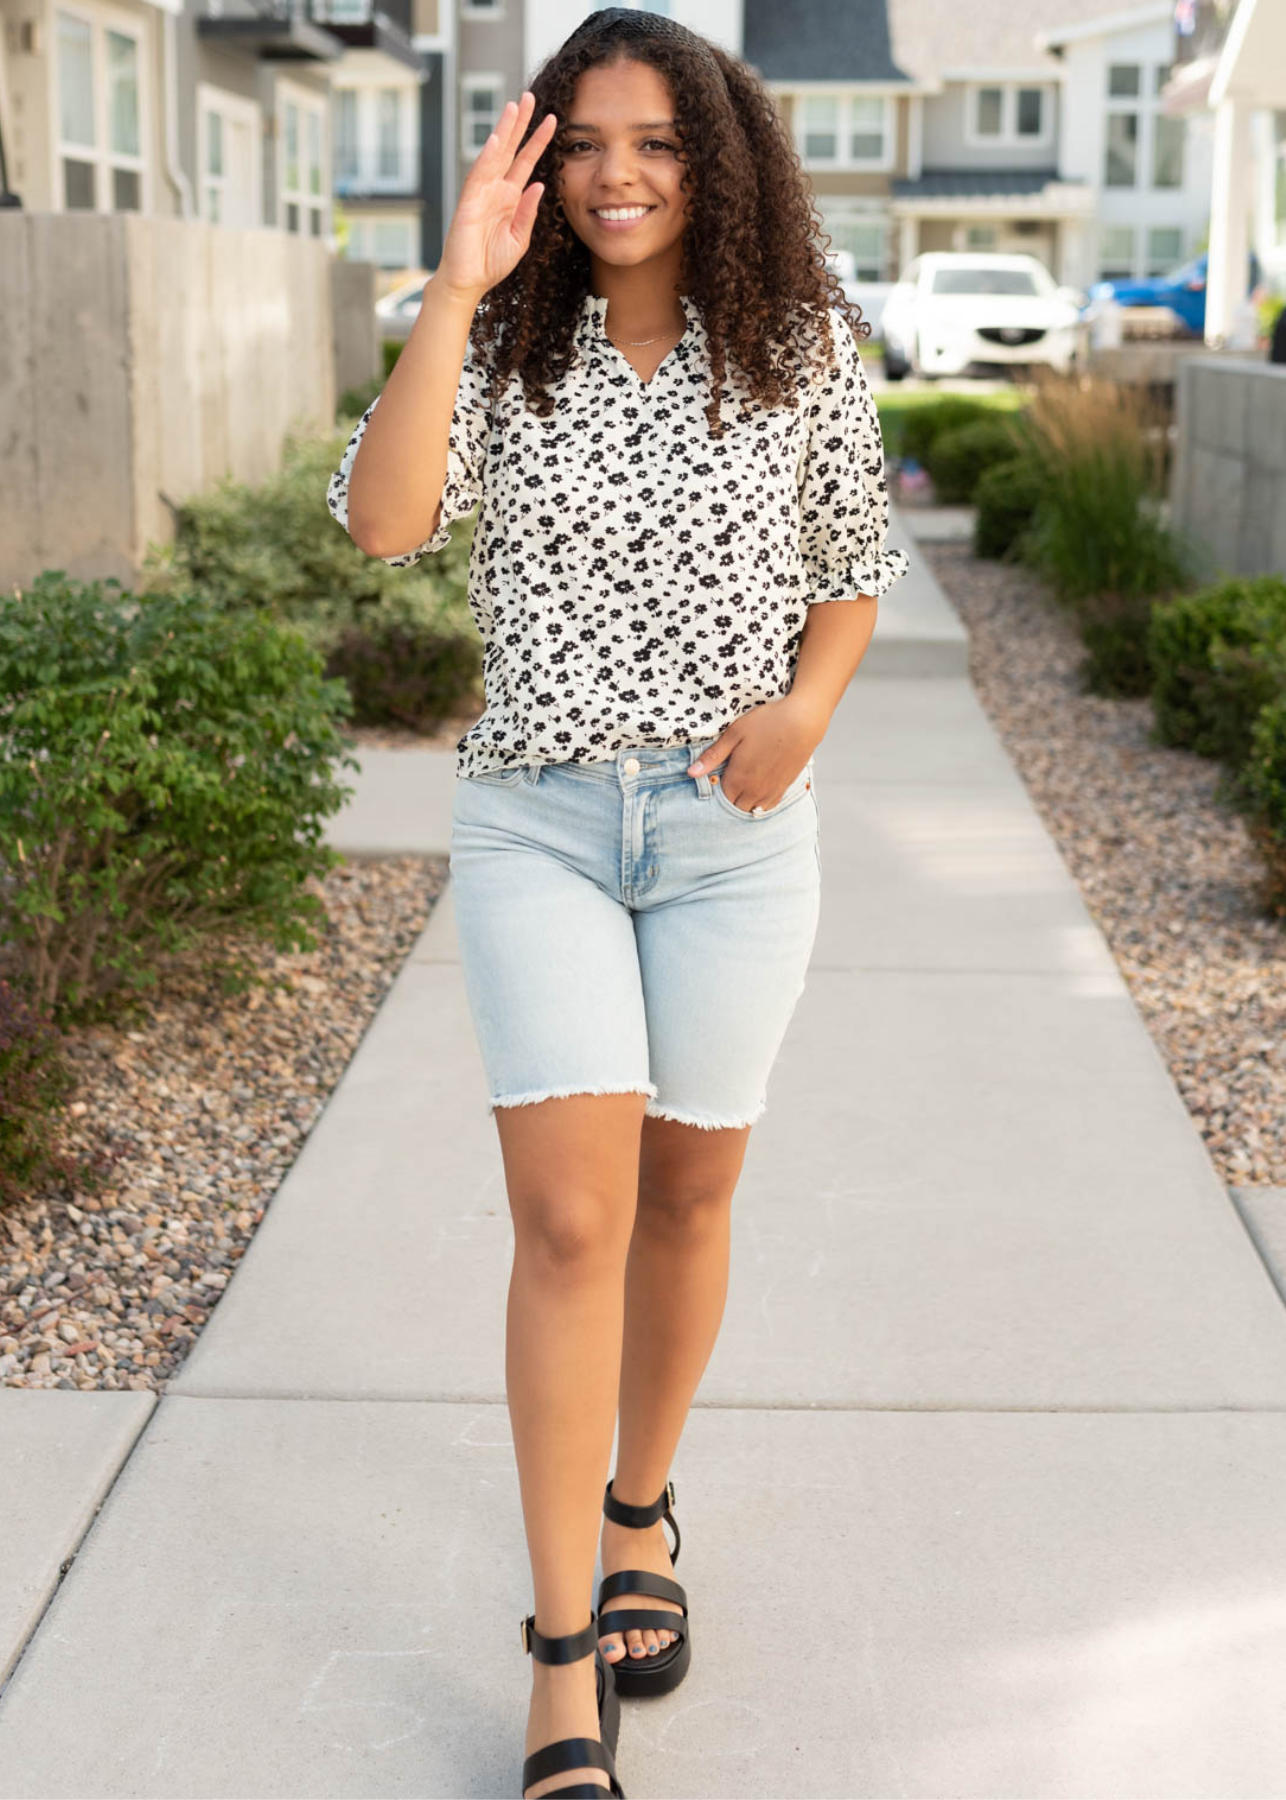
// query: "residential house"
[[1230, 77], [239, 113]]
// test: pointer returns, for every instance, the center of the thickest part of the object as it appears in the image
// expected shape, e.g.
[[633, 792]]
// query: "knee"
[[680, 1207], [571, 1236]]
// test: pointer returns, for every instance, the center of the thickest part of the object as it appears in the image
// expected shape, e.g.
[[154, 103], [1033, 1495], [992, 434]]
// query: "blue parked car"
[[1183, 290]]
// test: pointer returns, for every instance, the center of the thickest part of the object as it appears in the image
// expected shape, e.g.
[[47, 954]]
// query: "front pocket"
[[499, 777], [796, 791]]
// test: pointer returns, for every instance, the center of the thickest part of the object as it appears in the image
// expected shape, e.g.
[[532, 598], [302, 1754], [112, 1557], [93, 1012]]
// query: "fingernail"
[[695, 769]]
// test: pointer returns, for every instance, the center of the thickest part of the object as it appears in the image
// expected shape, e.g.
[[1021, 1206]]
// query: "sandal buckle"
[[669, 1490], [526, 1641]]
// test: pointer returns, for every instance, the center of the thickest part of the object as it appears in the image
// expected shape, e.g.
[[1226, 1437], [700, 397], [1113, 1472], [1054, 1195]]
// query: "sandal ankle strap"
[[566, 1649], [622, 1513]]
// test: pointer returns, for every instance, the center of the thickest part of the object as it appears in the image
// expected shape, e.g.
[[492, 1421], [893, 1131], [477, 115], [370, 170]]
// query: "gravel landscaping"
[[206, 1107], [1168, 874]]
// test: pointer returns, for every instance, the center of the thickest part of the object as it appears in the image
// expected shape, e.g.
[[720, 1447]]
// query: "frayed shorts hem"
[[681, 1115], [562, 1093]]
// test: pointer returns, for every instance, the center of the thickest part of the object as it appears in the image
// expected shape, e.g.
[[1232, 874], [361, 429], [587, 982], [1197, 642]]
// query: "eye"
[[575, 143]]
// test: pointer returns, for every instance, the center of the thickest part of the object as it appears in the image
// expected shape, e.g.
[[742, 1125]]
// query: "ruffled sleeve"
[[843, 493], [466, 458]]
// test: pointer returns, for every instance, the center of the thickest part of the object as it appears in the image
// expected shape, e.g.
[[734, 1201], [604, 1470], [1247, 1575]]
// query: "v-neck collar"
[[592, 336]]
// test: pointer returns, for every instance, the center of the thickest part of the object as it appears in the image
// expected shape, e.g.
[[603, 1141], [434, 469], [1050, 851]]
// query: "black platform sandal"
[[576, 1753], [662, 1673]]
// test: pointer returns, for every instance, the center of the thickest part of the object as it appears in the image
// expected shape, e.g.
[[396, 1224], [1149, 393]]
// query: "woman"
[[661, 409]]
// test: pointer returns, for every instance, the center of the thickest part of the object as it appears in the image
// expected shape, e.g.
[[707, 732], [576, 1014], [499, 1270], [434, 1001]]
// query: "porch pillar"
[[1230, 199], [908, 243]]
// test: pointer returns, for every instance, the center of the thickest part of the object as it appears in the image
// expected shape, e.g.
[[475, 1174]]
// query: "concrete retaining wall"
[[142, 359], [1228, 492]]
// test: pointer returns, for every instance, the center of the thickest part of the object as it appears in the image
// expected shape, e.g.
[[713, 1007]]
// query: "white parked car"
[[952, 311]]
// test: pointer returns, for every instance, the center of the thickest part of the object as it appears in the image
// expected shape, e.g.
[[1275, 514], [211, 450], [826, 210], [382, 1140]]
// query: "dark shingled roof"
[[819, 40], [962, 184]]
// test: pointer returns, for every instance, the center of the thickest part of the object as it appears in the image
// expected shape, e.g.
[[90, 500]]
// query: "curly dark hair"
[[751, 256]]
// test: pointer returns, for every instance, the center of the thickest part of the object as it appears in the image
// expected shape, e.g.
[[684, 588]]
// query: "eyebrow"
[[648, 125]]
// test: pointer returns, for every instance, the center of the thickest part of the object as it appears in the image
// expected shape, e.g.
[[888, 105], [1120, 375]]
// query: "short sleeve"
[[843, 492], [466, 458]]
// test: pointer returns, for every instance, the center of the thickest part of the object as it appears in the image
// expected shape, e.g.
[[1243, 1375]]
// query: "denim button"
[[632, 765]]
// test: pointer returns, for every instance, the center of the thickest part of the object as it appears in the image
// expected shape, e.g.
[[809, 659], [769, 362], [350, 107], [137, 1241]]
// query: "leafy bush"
[[959, 457], [35, 1080], [1218, 656], [923, 425], [1007, 496], [1260, 786], [167, 772], [404, 662]]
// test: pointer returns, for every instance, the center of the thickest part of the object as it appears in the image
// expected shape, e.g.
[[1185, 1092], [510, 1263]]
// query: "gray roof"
[[820, 40], [930, 36], [961, 184]]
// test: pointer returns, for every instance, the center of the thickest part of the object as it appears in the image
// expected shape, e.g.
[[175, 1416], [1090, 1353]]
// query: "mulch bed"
[[1169, 875], [205, 1107]]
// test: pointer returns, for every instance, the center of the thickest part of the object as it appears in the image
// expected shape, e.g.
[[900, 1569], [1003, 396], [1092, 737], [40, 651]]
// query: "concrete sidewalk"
[[981, 1495]]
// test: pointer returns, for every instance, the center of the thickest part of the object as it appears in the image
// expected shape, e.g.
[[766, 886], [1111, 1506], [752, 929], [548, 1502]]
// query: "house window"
[[1116, 252], [1030, 120], [346, 151], [1122, 149], [980, 237], [1167, 151], [390, 132], [482, 102], [229, 179], [301, 205], [1006, 114], [388, 242], [1165, 249], [865, 129], [863, 237], [1144, 147], [99, 115], [990, 113], [843, 131]]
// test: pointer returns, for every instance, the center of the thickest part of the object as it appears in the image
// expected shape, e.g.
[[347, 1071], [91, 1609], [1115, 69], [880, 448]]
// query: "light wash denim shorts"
[[624, 928]]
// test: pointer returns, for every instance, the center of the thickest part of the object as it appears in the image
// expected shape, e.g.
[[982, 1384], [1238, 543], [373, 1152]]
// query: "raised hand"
[[491, 226]]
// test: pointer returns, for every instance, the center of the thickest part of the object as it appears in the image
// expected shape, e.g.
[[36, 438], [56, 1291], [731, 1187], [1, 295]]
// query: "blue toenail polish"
[[652, 1649]]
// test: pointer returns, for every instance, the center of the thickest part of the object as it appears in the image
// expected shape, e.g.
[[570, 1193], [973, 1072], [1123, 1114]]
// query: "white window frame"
[[474, 82], [845, 96], [100, 20], [288, 92], [233, 109], [1008, 137], [1133, 271]]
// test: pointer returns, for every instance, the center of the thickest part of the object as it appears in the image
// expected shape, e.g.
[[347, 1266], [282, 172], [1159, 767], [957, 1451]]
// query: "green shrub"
[[959, 457], [1217, 657], [1260, 792], [168, 769], [35, 1080], [923, 425], [1007, 497], [403, 663]]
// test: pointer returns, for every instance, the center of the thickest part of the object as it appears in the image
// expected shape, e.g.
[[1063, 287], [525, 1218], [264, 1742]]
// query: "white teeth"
[[621, 212]]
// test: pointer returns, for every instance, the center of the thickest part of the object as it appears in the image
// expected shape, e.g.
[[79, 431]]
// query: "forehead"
[[621, 97]]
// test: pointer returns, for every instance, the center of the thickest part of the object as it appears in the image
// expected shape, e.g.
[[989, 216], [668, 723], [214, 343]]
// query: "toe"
[[634, 1641], [612, 1647]]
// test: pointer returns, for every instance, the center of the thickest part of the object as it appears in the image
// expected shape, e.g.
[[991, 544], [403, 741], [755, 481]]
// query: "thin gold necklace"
[[638, 343]]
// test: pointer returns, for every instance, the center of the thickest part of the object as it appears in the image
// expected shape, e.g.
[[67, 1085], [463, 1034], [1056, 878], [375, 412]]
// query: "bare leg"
[[676, 1285], [571, 1169]]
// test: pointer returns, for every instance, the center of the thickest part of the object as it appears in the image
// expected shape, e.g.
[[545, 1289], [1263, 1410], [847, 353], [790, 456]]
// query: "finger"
[[524, 214], [512, 122], [534, 148]]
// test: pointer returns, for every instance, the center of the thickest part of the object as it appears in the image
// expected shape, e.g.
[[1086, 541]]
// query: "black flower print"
[[634, 580]]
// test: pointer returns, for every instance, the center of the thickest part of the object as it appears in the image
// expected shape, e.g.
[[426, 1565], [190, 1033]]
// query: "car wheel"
[[894, 368]]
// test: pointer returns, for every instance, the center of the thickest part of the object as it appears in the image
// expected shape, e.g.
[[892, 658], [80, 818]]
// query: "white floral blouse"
[[635, 581]]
